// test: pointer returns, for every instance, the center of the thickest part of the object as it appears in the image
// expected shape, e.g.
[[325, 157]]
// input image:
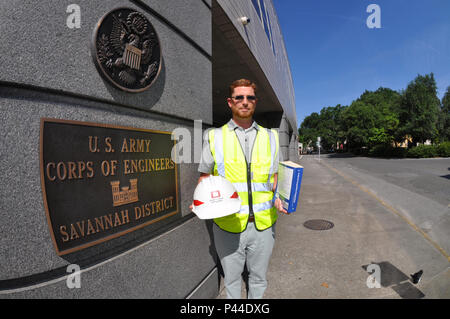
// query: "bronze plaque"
[[101, 181], [126, 50]]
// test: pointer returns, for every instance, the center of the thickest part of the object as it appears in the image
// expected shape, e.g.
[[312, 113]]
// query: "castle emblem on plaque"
[[126, 195], [126, 50]]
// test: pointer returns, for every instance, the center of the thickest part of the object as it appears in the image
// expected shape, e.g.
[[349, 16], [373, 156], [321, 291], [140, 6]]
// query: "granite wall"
[[48, 72]]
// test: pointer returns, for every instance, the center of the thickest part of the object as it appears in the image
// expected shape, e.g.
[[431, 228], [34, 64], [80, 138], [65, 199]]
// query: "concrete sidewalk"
[[333, 263]]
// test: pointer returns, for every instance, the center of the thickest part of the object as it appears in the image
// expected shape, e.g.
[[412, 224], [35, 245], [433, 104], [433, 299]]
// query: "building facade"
[[68, 131], [247, 43]]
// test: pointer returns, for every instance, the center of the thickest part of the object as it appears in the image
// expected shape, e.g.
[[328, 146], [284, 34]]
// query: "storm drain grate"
[[318, 224]]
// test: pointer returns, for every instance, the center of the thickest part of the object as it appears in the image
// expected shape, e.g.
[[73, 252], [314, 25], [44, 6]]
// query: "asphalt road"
[[427, 177], [418, 190]]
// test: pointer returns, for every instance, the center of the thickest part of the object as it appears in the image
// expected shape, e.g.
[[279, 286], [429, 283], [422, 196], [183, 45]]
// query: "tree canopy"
[[444, 117], [382, 117], [419, 109]]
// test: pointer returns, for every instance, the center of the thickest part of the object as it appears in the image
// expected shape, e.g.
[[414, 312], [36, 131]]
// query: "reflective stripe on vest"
[[230, 163]]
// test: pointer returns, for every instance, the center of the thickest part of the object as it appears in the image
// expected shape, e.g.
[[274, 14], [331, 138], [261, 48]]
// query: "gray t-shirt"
[[246, 138]]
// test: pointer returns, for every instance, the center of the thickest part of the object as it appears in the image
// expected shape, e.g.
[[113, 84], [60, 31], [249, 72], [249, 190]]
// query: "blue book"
[[288, 185]]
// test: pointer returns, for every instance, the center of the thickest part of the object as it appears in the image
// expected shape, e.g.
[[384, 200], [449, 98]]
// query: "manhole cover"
[[318, 224]]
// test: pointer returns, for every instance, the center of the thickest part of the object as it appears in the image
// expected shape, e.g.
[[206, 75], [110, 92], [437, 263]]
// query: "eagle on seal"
[[131, 48]]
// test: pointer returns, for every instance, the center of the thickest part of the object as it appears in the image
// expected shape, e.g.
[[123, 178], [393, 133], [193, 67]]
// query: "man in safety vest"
[[246, 154]]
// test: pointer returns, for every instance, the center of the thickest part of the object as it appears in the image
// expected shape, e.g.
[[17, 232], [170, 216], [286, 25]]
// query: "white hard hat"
[[215, 197]]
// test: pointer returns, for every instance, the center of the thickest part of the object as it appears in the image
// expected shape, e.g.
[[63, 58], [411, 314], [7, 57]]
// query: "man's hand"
[[278, 203], [279, 206]]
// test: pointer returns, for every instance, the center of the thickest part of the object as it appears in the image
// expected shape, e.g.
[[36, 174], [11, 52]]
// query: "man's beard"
[[244, 115]]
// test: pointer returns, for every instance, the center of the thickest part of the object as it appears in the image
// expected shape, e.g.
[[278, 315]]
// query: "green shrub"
[[398, 152], [443, 149], [359, 151], [383, 150], [378, 150], [423, 151]]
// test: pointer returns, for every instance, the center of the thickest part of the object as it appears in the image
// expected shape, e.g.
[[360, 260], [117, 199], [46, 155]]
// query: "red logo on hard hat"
[[235, 195], [197, 202], [215, 194]]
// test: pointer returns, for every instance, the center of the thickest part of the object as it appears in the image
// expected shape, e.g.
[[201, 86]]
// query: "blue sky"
[[334, 57]]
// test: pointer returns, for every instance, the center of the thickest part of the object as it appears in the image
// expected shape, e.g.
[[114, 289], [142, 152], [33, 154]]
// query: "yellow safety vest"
[[255, 178]]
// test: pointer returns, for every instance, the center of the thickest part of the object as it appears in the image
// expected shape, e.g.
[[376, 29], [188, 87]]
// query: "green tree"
[[386, 104], [359, 120], [308, 129], [419, 110], [327, 125], [372, 119], [444, 118], [330, 128]]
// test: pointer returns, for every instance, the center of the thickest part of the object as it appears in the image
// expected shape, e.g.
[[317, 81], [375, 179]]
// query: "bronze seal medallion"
[[126, 50]]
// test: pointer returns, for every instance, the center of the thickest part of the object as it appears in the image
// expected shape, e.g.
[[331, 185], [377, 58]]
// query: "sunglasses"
[[241, 97]]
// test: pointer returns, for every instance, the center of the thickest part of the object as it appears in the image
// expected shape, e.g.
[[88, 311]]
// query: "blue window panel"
[[264, 16], [256, 5], [271, 34]]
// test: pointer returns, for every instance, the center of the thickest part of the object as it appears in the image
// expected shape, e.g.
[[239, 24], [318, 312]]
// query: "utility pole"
[[318, 145]]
